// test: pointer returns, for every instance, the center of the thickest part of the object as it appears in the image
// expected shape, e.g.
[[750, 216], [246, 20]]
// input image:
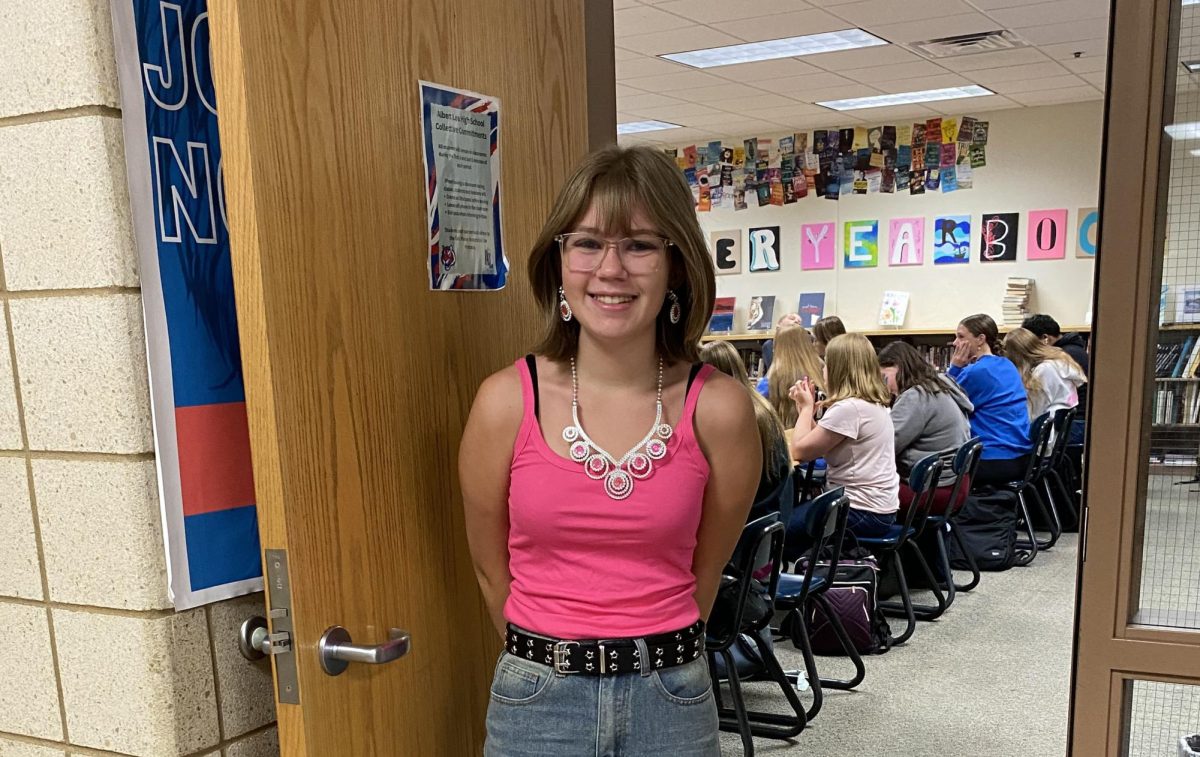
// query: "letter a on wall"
[[726, 251], [906, 241], [817, 246], [764, 249], [1047, 235]]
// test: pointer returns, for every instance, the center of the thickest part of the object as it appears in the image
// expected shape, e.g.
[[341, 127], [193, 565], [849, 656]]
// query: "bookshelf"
[[1174, 405]]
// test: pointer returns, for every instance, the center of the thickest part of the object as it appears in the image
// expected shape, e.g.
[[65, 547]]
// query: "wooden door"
[[1136, 687], [358, 378]]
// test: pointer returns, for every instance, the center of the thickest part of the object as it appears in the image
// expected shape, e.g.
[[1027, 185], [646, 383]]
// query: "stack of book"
[[1016, 300], [1178, 359], [937, 355]]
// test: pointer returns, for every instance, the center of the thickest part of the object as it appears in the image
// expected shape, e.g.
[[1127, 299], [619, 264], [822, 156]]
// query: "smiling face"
[[611, 303]]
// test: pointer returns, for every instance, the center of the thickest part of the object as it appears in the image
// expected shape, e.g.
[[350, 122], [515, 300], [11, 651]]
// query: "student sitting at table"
[[795, 358], [1052, 378], [854, 435], [825, 330], [1001, 414], [777, 464]]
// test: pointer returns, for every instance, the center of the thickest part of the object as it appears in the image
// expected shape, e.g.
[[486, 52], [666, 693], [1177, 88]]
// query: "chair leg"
[[906, 598], [860, 669], [801, 641], [773, 725], [1046, 515], [941, 600], [974, 568], [1026, 550], [741, 723], [1069, 501], [1050, 506], [944, 559]]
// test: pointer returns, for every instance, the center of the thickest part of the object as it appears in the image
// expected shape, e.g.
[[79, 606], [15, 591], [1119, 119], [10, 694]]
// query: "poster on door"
[[201, 436], [461, 133]]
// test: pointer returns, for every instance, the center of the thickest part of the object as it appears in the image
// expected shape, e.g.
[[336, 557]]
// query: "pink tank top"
[[585, 566]]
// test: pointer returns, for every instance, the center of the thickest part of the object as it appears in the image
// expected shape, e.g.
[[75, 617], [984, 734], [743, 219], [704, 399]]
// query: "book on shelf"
[[893, 308], [762, 311], [811, 308], [722, 317]]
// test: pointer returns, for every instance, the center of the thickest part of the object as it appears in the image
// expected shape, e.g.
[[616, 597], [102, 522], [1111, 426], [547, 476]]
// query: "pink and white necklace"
[[637, 463]]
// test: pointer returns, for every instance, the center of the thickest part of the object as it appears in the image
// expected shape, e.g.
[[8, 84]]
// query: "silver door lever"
[[337, 651]]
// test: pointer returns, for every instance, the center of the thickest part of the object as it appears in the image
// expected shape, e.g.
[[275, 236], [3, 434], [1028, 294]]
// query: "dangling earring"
[[676, 311], [564, 307]]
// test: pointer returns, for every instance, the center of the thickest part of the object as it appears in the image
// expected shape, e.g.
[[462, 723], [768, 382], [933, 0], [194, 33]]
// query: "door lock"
[[256, 642]]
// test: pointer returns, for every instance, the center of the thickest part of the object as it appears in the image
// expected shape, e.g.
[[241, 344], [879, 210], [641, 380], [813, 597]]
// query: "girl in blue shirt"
[[994, 386]]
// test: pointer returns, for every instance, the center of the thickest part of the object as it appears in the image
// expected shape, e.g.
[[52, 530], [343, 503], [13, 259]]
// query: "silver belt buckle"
[[562, 658]]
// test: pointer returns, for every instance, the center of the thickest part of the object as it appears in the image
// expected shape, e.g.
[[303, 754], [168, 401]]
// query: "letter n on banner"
[[173, 160]]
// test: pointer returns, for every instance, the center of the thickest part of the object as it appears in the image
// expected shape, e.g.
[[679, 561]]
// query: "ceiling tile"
[[619, 4], [898, 71], [897, 114], [784, 25], [990, 76], [837, 93], [947, 26], [794, 84], [1056, 12], [876, 12], [634, 103], [1070, 31], [990, 5], [715, 11], [715, 119], [764, 70], [666, 83], [979, 104], [1093, 48], [677, 41], [896, 86], [673, 113], [719, 92], [752, 103], [644, 65], [1020, 86], [976, 61], [1096, 79], [624, 90], [1052, 96], [621, 53], [1088, 64], [644, 20], [786, 113], [883, 55]]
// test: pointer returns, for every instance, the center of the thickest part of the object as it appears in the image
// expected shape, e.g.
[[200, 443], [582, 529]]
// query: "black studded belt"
[[598, 657]]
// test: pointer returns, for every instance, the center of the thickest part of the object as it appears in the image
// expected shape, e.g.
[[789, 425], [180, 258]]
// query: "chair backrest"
[[1062, 422], [1039, 437], [780, 500], [964, 465], [826, 528], [759, 555], [922, 479]]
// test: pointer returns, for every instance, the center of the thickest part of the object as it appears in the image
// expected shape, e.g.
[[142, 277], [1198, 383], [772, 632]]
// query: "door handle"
[[337, 651]]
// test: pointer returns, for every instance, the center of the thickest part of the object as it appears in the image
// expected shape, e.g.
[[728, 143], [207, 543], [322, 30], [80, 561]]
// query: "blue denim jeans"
[[535, 713], [869, 525]]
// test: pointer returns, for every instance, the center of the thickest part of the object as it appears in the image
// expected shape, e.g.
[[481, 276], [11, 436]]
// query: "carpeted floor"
[[991, 677]]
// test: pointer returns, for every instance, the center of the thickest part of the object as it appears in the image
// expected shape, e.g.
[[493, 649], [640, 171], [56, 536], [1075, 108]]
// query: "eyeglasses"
[[584, 252]]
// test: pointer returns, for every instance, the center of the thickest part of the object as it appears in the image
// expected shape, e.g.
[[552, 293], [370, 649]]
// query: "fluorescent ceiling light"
[[1191, 2], [637, 127], [1194, 153], [1185, 130], [1193, 66], [908, 98], [772, 49]]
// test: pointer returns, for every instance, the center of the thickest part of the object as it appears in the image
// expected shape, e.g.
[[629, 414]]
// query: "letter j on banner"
[[764, 249], [817, 246], [1047, 235]]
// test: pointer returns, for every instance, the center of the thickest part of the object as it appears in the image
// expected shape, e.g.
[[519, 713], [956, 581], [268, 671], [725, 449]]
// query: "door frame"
[[1110, 649]]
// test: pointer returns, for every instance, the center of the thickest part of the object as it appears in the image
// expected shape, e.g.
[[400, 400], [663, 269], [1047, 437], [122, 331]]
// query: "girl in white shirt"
[[855, 434], [1051, 377]]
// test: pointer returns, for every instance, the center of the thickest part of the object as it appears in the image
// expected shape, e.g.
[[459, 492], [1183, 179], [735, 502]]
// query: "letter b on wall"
[[726, 249], [764, 248]]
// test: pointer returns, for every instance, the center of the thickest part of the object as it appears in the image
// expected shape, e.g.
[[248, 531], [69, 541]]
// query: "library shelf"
[[876, 332]]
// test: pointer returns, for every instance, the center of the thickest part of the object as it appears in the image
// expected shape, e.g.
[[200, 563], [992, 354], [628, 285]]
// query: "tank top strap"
[[695, 386], [527, 369]]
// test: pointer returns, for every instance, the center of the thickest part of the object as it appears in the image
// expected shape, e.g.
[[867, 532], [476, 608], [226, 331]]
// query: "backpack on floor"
[[852, 597], [988, 525]]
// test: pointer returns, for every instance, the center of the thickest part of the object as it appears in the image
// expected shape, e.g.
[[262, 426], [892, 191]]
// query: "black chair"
[[1027, 549], [798, 593], [923, 481], [962, 461], [755, 573], [966, 463], [1055, 473]]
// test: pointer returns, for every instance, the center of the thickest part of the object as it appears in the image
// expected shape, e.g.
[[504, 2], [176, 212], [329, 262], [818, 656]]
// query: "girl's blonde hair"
[[723, 357], [795, 358], [1027, 352], [853, 371]]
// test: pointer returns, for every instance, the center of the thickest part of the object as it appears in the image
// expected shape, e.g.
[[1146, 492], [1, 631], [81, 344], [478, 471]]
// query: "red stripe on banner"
[[215, 471]]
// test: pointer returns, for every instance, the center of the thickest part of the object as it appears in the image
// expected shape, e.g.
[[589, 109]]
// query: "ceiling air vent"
[[969, 44]]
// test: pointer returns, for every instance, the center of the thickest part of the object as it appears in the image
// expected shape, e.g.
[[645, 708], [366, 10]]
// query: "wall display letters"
[[764, 249], [726, 247], [817, 246], [1088, 220], [906, 241], [998, 237], [951, 240], [861, 244], [1047, 235]]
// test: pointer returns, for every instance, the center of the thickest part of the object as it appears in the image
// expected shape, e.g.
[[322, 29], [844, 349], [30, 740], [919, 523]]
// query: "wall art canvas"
[[951, 240]]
